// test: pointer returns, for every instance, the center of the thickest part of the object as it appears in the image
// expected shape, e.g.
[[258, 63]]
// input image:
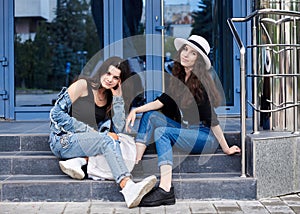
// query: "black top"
[[85, 110], [207, 114], [170, 108]]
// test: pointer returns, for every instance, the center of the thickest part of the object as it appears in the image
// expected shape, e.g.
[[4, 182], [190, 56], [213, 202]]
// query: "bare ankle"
[[123, 182], [167, 189]]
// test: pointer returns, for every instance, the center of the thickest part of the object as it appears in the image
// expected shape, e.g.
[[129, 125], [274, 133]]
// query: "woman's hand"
[[130, 120], [113, 135], [117, 90], [232, 150]]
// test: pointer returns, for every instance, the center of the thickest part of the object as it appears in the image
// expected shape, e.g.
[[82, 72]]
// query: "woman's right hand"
[[130, 120], [232, 150]]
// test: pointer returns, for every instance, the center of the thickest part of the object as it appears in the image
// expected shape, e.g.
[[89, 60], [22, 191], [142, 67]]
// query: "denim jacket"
[[62, 122]]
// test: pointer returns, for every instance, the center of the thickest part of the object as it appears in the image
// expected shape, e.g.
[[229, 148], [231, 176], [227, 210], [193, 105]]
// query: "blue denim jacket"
[[62, 122]]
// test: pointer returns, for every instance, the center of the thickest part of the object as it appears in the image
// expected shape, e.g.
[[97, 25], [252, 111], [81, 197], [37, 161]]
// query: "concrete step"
[[39, 142], [30, 172], [45, 163], [62, 188], [24, 142]]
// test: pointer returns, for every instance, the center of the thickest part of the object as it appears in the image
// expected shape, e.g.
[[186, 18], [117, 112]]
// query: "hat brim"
[[179, 42]]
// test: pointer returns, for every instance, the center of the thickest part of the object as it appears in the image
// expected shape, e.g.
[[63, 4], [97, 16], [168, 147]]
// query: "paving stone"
[[153, 210], [8, 207], [227, 207], [102, 207], [178, 208], [77, 208], [296, 209], [272, 202], [29, 208], [124, 209], [202, 207], [52, 207], [252, 207], [182, 206], [291, 200], [280, 210]]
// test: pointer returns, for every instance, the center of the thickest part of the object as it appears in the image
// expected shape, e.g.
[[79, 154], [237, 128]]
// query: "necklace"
[[99, 98]]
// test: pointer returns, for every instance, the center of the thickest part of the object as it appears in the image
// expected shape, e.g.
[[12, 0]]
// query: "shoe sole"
[[166, 202], [147, 188], [71, 172]]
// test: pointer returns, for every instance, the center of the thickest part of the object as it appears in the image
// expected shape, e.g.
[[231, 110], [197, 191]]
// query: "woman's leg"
[[165, 177], [149, 122], [91, 144], [140, 150], [94, 143], [189, 140], [164, 194]]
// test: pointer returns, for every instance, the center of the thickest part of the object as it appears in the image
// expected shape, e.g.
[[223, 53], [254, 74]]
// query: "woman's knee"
[[147, 115], [105, 144], [158, 132], [150, 115], [161, 135]]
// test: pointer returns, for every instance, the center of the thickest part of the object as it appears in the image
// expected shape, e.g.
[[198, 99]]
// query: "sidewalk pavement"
[[279, 205]]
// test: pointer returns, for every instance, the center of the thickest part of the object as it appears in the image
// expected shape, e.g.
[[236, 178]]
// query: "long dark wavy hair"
[[95, 79], [200, 83]]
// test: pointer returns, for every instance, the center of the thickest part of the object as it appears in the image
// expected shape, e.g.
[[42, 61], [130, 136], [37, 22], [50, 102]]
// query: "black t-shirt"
[[170, 108], [206, 114]]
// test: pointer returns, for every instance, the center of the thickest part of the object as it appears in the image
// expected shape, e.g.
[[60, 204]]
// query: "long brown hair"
[[200, 83]]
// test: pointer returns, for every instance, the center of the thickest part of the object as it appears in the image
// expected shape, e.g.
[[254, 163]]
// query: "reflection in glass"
[[53, 40]]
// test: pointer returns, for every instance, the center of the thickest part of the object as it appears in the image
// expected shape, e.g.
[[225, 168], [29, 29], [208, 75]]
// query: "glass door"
[[2, 60], [52, 42], [6, 61], [207, 19], [54, 39]]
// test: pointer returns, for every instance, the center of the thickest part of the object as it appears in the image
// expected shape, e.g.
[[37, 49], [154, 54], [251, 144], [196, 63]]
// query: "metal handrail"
[[243, 76]]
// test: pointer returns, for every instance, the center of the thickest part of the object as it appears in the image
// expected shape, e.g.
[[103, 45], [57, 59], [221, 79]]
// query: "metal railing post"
[[243, 110], [243, 95], [295, 80], [255, 81]]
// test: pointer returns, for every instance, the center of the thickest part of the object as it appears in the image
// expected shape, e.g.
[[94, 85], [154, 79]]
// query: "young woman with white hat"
[[185, 118]]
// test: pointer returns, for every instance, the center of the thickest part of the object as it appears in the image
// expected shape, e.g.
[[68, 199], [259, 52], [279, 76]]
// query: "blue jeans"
[[168, 133], [70, 138], [88, 144]]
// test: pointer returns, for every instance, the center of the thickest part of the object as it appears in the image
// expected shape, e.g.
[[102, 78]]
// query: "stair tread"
[[176, 177], [146, 156], [27, 154]]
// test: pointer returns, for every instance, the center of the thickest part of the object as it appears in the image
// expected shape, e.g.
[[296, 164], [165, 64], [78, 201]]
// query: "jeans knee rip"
[[64, 141]]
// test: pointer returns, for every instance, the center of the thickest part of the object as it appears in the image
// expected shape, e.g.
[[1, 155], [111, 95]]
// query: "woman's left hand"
[[117, 90], [232, 150]]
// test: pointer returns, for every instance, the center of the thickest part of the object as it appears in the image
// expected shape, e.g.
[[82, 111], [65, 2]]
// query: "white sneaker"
[[134, 192], [72, 167]]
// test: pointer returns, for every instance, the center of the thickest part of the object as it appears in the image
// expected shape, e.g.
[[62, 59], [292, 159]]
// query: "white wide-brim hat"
[[198, 43]]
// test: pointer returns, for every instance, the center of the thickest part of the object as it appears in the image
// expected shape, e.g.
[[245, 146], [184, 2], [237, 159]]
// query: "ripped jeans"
[[166, 133], [70, 138]]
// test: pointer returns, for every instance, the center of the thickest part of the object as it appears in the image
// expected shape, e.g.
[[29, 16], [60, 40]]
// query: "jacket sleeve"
[[118, 114], [60, 118]]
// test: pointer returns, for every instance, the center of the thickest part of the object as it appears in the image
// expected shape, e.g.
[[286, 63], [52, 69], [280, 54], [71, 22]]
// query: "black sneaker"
[[157, 196]]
